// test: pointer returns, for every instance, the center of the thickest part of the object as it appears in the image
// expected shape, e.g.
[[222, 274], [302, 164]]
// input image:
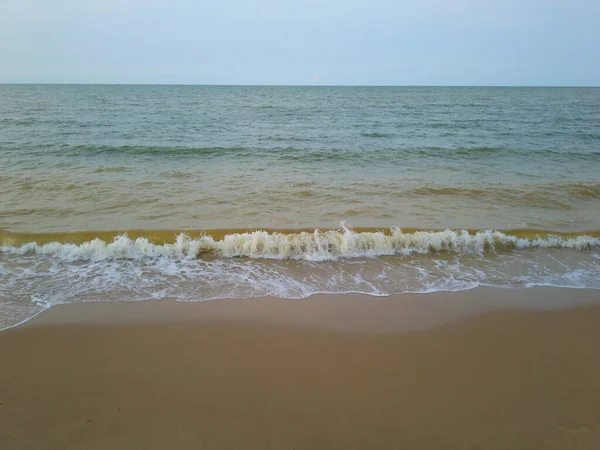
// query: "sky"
[[301, 42]]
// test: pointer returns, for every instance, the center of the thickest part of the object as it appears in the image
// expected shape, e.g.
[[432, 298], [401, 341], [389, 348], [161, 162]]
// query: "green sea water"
[[75, 158], [400, 164]]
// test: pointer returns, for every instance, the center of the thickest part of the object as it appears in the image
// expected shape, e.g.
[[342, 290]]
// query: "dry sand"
[[348, 372]]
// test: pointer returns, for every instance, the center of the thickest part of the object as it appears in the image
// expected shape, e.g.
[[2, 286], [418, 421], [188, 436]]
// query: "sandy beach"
[[481, 369]]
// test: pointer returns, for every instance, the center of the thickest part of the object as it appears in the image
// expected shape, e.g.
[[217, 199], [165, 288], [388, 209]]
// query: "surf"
[[315, 245]]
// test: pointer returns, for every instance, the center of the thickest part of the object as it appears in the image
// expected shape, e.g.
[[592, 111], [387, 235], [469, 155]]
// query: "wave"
[[547, 195], [288, 148], [484, 152], [152, 150], [313, 246], [285, 153], [377, 135]]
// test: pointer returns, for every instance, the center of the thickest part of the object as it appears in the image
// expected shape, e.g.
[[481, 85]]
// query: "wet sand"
[[482, 369]]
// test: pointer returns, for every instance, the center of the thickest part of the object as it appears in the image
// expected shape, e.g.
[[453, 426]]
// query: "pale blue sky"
[[380, 42]]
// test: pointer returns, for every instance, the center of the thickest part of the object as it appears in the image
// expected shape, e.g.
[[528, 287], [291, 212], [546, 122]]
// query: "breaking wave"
[[312, 246]]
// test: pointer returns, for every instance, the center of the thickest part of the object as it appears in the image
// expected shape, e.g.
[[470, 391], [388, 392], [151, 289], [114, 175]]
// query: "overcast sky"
[[376, 42]]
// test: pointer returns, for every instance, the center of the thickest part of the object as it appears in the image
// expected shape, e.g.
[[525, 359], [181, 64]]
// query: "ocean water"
[[206, 192]]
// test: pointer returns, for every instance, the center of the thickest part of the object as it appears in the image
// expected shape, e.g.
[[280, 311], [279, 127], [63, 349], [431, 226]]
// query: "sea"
[[196, 193]]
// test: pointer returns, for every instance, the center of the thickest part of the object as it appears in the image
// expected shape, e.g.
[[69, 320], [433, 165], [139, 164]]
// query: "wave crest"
[[313, 246]]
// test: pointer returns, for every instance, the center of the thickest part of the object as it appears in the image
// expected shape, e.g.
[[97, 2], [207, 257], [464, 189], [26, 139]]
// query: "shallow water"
[[80, 162], [173, 157]]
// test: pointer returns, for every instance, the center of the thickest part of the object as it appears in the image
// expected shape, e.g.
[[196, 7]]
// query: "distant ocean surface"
[[206, 192]]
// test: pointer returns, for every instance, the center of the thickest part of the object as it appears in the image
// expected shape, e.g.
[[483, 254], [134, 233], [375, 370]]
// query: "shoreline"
[[346, 311], [434, 371]]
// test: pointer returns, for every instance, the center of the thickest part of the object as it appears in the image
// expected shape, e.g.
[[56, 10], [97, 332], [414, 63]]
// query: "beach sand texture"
[[248, 374]]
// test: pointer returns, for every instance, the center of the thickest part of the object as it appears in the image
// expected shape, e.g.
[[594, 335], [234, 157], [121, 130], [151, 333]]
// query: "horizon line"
[[302, 85]]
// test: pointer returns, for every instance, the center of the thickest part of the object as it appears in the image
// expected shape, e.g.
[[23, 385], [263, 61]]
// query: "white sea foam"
[[315, 246], [30, 283], [35, 276]]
